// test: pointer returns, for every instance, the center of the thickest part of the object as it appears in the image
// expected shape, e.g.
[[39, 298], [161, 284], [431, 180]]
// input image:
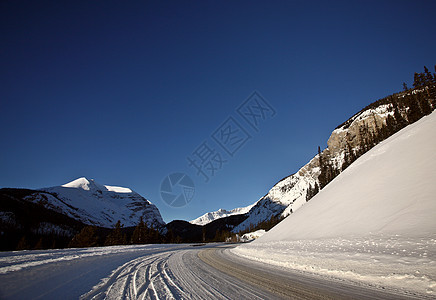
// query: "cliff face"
[[352, 133]]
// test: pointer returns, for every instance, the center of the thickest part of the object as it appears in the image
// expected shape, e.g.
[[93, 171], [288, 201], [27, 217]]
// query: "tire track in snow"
[[171, 275], [110, 287]]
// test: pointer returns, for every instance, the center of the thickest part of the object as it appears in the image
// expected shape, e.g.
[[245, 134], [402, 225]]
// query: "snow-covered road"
[[162, 272], [129, 272]]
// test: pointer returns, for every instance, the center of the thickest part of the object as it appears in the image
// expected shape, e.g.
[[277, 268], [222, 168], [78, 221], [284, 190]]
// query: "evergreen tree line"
[[408, 106], [92, 236]]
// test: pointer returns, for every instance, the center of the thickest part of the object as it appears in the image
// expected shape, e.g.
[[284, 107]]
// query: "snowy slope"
[[221, 213], [375, 222], [284, 198], [289, 194], [390, 189], [96, 204]]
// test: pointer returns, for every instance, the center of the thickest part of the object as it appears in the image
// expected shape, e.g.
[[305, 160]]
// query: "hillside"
[[373, 223], [347, 142]]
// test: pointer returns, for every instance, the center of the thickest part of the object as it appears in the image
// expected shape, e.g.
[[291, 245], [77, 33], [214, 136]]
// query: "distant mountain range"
[[83, 201], [221, 213]]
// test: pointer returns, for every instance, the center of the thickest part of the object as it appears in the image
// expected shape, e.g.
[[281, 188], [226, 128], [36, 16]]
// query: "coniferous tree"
[[309, 193], [428, 76], [87, 237], [424, 105], [322, 178], [347, 157], [170, 238], [316, 189], [400, 122], [141, 232], [431, 84], [416, 81], [389, 129], [154, 235], [23, 244], [413, 112], [116, 237], [376, 136], [434, 74], [38, 245]]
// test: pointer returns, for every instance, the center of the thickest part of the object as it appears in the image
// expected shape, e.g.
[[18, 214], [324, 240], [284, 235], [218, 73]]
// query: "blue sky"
[[125, 92]]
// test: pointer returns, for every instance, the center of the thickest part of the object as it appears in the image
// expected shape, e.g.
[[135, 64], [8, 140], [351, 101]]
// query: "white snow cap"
[[79, 183], [88, 184]]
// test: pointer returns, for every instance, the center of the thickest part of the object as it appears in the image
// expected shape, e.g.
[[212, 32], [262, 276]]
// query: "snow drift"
[[250, 236]]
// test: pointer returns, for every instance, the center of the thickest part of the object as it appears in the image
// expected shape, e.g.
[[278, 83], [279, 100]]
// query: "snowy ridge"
[[374, 223], [381, 111], [221, 213], [287, 196], [85, 184], [96, 204]]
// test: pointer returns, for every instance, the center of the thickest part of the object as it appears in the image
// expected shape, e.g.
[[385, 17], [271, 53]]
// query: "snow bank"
[[374, 223], [252, 235]]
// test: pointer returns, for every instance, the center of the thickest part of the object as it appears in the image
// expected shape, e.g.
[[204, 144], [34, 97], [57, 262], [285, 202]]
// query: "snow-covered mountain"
[[96, 204], [388, 190], [375, 222], [221, 213], [348, 141]]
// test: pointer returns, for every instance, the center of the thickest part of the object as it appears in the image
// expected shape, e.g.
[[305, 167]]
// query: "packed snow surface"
[[374, 223]]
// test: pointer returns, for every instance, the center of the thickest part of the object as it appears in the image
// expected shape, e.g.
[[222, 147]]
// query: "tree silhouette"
[[87, 237], [140, 234], [116, 237]]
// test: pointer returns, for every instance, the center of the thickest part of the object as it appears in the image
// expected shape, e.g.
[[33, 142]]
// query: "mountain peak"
[[90, 184], [96, 204], [82, 183], [85, 184]]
